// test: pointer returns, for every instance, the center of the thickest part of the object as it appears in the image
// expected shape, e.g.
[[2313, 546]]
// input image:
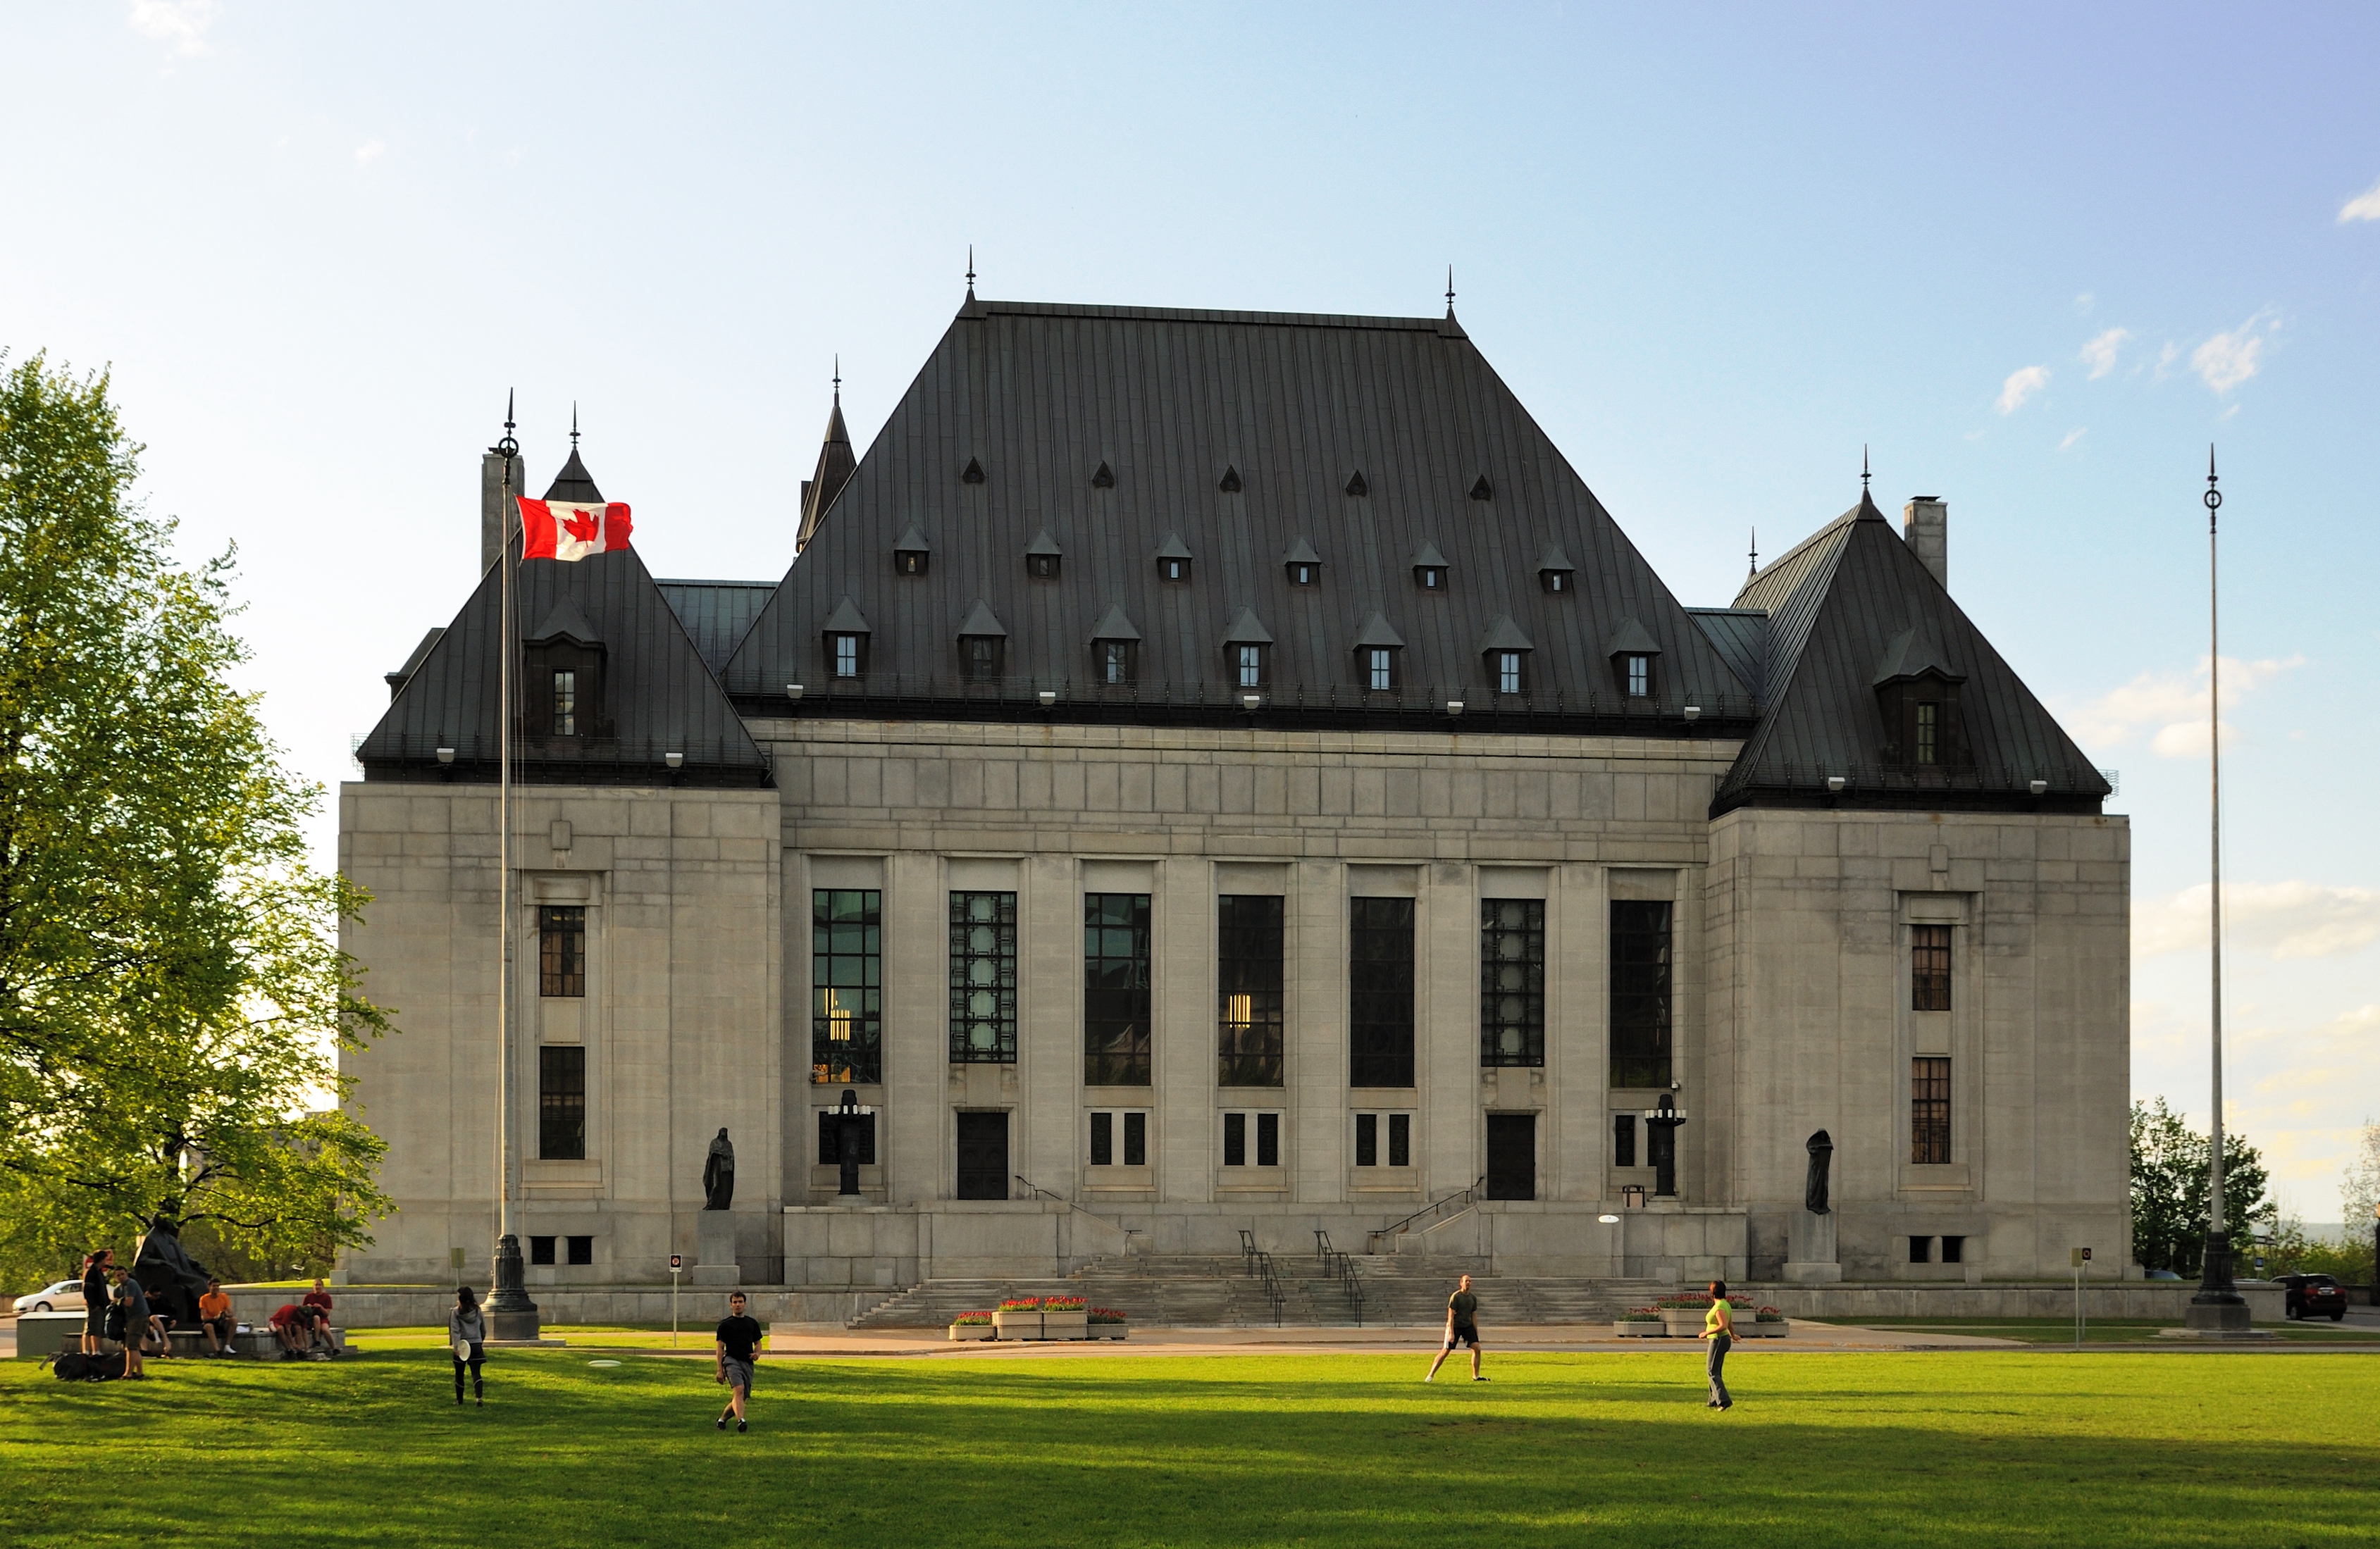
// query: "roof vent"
[[1230, 481], [973, 473], [1104, 478], [1355, 485], [1481, 490]]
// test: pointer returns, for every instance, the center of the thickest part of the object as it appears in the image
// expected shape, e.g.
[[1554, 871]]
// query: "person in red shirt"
[[318, 1297], [293, 1326]]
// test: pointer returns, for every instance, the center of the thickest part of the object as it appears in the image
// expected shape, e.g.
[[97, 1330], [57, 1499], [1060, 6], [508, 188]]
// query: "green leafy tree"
[[172, 1000], [2170, 1195]]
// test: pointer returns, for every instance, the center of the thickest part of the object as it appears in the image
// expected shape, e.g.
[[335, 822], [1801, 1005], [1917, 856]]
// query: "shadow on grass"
[[1233, 1450]]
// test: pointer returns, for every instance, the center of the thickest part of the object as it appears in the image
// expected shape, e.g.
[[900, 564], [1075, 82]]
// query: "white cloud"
[[2100, 353], [2282, 919], [2174, 703], [2083, 303], [2165, 357], [2227, 360], [181, 23], [2020, 386], [2073, 436], [2364, 206], [369, 152]]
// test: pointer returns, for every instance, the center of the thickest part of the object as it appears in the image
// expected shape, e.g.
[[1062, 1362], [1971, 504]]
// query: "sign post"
[[678, 1262], [2080, 1259]]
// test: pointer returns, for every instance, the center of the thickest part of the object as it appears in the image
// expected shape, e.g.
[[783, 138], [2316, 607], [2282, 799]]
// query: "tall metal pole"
[[510, 1312], [2218, 1304]]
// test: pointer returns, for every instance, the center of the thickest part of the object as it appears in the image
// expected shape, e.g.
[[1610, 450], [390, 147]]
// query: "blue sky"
[[2034, 260]]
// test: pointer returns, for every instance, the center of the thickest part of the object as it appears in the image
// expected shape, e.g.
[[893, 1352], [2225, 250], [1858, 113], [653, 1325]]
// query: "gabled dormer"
[[1917, 695], [562, 676]]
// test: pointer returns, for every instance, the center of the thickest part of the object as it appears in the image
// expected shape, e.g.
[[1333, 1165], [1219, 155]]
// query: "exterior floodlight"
[[1608, 1220], [675, 760], [1454, 706], [793, 691], [1834, 784], [1250, 701], [1047, 696], [1693, 712], [445, 754], [2041, 787]]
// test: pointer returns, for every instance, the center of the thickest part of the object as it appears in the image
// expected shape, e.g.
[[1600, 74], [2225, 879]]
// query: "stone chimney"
[[1925, 528], [493, 527]]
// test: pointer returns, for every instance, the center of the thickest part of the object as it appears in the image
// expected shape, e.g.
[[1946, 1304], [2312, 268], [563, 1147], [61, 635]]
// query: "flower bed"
[[1639, 1323], [1020, 1304], [970, 1320], [1064, 1304], [1769, 1314], [972, 1325], [1019, 1317], [1107, 1324]]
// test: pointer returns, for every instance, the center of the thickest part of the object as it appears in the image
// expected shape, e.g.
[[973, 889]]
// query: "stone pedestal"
[[1811, 1259], [714, 1250], [511, 1317]]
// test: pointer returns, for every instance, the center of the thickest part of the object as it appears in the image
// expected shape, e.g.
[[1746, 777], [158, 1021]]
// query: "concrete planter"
[[1756, 1330], [1637, 1330], [1682, 1323], [1017, 1325], [1108, 1330], [972, 1331], [1065, 1325]]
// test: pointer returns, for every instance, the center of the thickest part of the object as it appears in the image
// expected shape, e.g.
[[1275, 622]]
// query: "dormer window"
[[1304, 575], [1556, 574], [1928, 724], [1917, 691], [563, 666], [909, 555], [1302, 563], [1119, 663], [1249, 668], [1429, 569], [982, 656], [1175, 570], [1510, 670], [1634, 656], [1174, 562], [847, 655], [1378, 665], [1554, 580], [1247, 652], [565, 703], [1636, 674], [1041, 557]]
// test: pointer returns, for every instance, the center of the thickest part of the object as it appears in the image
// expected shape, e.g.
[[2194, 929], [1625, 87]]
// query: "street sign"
[[2078, 1257], [678, 1262]]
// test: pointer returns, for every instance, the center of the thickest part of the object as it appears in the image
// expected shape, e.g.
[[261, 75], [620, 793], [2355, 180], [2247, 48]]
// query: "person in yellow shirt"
[[1718, 1328], [215, 1318]]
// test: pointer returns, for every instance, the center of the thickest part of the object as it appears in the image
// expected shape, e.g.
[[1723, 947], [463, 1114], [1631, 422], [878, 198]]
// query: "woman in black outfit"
[[95, 1299], [464, 1331]]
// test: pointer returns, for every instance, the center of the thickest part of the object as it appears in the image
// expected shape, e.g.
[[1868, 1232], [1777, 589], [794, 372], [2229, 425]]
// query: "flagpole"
[[512, 1315]]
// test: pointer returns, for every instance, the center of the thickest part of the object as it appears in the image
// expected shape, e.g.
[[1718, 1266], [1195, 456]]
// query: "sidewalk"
[[827, 1339]]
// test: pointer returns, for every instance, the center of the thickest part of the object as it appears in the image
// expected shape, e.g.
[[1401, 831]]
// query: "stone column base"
[[1824, 1274]]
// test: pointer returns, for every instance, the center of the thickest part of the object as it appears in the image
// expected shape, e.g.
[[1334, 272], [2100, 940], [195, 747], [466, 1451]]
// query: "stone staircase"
[[1181, 1291]]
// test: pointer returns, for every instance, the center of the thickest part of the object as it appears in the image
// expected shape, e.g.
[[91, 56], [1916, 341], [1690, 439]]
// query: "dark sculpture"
[[1814, 1192], [718, 1173], [173, 1279], [850, 1125], [1661, 1137]]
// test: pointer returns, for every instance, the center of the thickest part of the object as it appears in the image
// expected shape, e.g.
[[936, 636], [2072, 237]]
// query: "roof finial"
[[574, 424], [508, 448], [1449, 290], [1754, 555], [1862, 469], [970, 272], [2214, 497], [838, 377]]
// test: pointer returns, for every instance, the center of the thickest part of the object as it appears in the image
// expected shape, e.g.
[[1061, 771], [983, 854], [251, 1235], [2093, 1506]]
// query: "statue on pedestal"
[[1813, 1190], [718, 1173]]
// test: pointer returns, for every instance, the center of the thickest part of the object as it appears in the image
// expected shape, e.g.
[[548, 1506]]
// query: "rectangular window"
[[1380, 991], [1235, 1140], [1640, 677], [1929, 968], [829, 1150], [540, 1250], [1368, 1139], [1103, 1140], [847, 984], [1512, 980], [1929, 1111], [1119, 662], [1640, 994], [562, 1103], [1251, 665], [1116, 990], [580, 1250], [982, 655], [1248, 990], [1929, 733], [1136, 1140], [562, 952], [1379, 667], [1268, 1140], [1623, 1140], [1921, 1250], [1508, 671], [847, 655], [565, 703], [1954, 1249], [983, 979], [1401, 1140]]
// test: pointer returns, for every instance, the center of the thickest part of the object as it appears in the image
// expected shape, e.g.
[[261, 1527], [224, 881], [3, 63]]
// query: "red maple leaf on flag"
[[582, 526]]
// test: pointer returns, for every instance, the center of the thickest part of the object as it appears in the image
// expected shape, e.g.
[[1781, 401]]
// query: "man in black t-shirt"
[[1462, 1328], [737, 1339]]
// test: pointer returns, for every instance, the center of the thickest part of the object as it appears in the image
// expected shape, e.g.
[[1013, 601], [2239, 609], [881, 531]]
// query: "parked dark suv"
[[2314, 1296]]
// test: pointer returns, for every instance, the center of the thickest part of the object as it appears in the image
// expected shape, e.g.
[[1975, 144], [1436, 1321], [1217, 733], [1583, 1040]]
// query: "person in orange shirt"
[[215, 1318]]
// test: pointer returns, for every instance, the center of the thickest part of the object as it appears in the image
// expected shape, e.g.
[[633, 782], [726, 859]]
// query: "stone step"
[[1309, 1297]]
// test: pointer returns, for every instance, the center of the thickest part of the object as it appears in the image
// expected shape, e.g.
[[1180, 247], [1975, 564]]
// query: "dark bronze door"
[[983, 1155], [1512, 1156]]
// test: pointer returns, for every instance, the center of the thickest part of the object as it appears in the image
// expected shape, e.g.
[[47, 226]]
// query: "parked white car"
[[64, 1296]]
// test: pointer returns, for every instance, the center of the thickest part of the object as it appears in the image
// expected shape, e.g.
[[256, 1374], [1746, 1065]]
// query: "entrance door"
[[1512, 1156], [983, 1155]]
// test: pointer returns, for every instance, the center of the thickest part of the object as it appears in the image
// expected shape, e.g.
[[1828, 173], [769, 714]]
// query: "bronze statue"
[[718, 1173], [173, 1279], [1814, 1192]]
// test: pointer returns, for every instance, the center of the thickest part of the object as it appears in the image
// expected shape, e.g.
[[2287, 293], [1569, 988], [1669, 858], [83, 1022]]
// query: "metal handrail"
[[1372, 1239]]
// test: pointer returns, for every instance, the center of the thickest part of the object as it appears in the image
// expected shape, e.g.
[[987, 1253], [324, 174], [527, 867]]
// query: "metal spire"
[[1862, 469], [574, 424], [508, 448], [838, 378], [970, 272], [1449, 290], [1754, 555]]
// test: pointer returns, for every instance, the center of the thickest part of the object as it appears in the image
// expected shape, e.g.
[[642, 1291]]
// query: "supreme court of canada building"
[[1211, 773]]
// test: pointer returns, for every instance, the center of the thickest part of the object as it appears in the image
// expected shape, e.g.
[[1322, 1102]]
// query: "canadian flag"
[[572, 530]]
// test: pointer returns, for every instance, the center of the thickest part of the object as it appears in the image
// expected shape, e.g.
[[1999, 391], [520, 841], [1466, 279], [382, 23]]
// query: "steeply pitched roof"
[[1114, 626], [1039, 397], [1845, 604], [574, 482], [564, 622], [835, 464], [1741, 636], [716, 614], [657, 695]]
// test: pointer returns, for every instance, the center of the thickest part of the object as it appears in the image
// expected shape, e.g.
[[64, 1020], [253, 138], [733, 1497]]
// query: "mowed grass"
[[2030, 1447]]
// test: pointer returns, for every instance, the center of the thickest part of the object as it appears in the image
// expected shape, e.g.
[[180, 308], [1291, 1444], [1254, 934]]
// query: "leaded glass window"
[[1929, 968], [562, 1103], [983, 978], [1929, 1111], [562, 952], [1511, 981], [566, 705], [847, 984], [1116, 990], [1248, 990], [1640, 994], [1380, 991]]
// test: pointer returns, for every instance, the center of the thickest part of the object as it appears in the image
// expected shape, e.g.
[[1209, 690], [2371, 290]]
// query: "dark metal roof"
[[1742, 637], [834, 464], [1171, 402], [716, 614], [574, 482], [1846, 604], [657, 695], [397, 679]]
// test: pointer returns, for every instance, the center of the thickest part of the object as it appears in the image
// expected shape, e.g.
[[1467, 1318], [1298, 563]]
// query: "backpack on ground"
[[75, 1366]]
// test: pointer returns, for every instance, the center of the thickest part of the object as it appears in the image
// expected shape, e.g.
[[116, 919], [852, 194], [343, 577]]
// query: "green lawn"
[[2060, 1331], [1924, 1449]]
